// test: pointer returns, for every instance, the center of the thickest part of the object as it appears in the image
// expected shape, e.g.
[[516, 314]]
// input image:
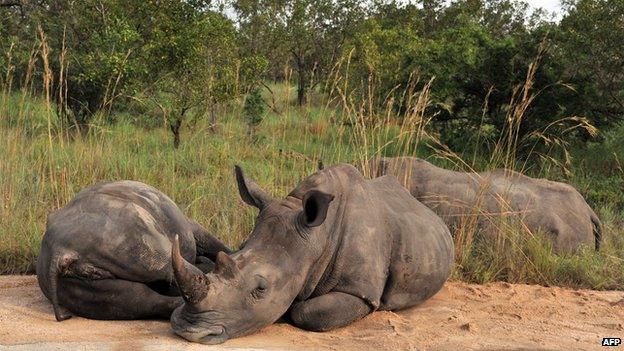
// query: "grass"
[[39, 177], [42, 167]]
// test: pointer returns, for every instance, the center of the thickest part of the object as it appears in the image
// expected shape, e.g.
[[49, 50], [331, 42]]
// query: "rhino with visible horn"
[[555, 208], [106, 254], [335, 249]]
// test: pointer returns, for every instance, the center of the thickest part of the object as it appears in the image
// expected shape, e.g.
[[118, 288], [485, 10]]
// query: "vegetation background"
[[174, 93]]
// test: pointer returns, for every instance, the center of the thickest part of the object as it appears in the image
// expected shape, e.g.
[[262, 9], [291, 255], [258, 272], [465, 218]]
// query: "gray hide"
[[335, 249], [492, 200], [107, 253]]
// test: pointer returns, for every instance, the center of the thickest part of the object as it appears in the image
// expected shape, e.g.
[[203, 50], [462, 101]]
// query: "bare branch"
[[273, 105]]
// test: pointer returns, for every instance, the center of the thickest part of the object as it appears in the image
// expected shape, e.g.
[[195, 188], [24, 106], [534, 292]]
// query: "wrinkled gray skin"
[[554, 208], [335, 249], [106, 254]]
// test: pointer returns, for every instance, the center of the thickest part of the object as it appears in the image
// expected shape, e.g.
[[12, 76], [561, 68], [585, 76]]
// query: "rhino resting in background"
[[335, 249], [554, 208], [107, 253]]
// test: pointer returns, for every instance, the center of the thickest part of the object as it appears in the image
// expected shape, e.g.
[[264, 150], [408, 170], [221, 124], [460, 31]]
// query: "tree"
[[591, 46], [191, 56], [92, 51], [479, 53], [309, 34], [261, 35], [105, 50], [253, 111], [316, 32]]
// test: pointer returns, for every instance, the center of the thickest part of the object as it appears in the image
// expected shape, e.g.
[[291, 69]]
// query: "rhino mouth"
[[210, 336], [197, 330]]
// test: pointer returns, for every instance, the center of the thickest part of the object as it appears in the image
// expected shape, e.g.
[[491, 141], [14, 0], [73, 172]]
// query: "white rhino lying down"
[[335, 249], [107, 253], [542, 205]]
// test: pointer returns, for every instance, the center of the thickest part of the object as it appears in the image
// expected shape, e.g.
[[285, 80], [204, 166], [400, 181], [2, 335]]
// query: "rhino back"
[[482, 199], [552, 207], [395, 251]]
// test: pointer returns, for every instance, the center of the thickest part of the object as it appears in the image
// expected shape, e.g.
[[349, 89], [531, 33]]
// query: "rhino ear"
[[249, 191], [315, 206], [225, 266]]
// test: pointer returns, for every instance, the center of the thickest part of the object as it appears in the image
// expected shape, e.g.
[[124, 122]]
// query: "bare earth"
[[460, 317]]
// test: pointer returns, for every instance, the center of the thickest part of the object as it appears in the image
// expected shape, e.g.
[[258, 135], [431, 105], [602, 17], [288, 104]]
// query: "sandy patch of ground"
[[460, 317]]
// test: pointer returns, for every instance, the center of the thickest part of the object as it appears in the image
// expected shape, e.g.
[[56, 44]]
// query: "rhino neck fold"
[[320, 278]]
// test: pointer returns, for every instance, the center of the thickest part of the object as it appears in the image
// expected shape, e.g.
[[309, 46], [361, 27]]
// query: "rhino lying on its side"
[[551, 207], [338, 246], [106, 254]]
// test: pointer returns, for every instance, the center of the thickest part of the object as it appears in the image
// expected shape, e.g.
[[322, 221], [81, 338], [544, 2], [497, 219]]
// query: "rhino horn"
[[225, 266], [191, 281]]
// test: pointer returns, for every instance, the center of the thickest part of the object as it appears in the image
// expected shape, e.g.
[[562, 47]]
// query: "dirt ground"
[[460, 317]]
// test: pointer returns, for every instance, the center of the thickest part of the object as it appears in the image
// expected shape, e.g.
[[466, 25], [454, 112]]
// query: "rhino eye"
[[260, 289], [258, 292]]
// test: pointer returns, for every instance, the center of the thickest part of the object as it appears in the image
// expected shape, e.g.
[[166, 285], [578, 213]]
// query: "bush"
[[254, 110]]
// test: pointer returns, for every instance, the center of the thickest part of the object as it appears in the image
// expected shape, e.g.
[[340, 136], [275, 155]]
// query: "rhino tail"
[[59, 264], [597, 229]]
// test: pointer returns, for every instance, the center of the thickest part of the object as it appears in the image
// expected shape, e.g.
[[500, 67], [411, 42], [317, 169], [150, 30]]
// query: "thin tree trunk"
[[301, 89], [175, 130], [303, 81], [213, 119]]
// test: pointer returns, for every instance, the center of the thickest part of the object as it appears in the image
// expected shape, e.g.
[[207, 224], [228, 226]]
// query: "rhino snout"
[[199, 332]]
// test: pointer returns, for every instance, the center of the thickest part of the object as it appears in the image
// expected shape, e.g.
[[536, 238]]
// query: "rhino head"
[[255, 286]]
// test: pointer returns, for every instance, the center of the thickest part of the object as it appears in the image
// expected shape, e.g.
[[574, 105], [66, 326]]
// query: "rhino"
[[337, 248], [106, 254], [541, 205]]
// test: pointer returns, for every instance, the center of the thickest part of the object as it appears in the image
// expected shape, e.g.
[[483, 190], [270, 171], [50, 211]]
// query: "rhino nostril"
[[217, 330]]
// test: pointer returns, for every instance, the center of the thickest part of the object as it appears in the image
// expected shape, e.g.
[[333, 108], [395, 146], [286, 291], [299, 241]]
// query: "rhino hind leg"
[[329, 311], [114, 299]]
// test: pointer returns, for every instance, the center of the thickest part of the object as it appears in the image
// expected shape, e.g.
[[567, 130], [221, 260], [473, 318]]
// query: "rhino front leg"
[[207, 244], [204, 264], [328, 311], [115, 299]]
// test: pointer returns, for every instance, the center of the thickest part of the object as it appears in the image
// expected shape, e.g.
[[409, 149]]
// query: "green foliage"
[[591, 40], [601, 169], [479, 54], [189, 56], [102, 52], [253, 69], [306, 34], [254, 108], [191, 72], [100, 40]]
